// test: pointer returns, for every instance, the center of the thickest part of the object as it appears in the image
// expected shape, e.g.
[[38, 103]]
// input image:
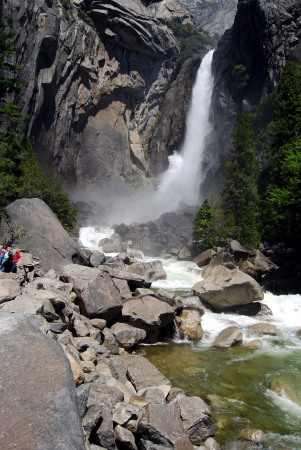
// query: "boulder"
[[195, 415], [148, 313], [96, 293], [228, 337], [123, 288], [9, 289], [28, 304], [223, 288], [152, 270], [161, 427], [97, 258], [264, 328], [190, 325], [205, 257], [38, 229], [38, 398], [126, 335], [138, 370], [134, 280], [239, 251], [111, 246]]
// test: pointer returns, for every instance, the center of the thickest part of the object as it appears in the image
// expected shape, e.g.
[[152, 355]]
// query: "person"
[[15, 260], [6, 250], [2, 253]]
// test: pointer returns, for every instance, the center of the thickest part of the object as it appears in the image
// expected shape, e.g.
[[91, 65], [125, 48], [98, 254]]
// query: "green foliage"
[[20, 173], [282, 193], [85, 17], [240, 197], [203, 227], [240, 79], [192, 40]]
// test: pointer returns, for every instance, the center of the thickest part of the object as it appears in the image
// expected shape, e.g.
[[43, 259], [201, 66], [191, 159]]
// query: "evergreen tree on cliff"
[[240, 197], [20, 173], [282, 198]]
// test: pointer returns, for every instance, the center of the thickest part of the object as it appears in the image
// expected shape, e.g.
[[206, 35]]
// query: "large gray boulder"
[[9, 289], [38, 403], [223, 288], [96, 292], [147, 312], [31, 225], [126, 335]]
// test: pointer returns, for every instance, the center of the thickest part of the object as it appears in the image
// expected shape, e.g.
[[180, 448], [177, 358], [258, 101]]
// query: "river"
[[236, 382]]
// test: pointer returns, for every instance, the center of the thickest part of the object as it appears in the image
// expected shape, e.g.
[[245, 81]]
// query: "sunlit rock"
[[228, 337]]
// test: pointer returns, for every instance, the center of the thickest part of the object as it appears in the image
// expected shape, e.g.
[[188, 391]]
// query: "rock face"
[[265, 34], [94, 76], [215, 17], [37, 389], [32, 225], [223, 288]]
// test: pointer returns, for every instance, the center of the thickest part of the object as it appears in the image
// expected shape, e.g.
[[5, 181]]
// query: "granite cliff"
[[94, 76], [247, 65]]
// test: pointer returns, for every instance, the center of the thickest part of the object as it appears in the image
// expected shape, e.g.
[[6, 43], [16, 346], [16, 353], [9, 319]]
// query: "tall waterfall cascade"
[[182, 181]]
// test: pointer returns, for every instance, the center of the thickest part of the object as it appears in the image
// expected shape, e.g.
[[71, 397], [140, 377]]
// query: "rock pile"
[[90, 317]]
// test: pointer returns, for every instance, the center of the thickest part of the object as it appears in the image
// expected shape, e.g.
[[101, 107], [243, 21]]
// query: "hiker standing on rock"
[[15, 260]]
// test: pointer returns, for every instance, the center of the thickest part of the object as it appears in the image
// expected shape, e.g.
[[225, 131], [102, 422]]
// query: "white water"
[[182, 181]]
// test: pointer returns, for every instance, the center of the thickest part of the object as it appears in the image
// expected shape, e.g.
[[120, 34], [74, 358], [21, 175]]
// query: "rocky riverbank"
[[71, 332]]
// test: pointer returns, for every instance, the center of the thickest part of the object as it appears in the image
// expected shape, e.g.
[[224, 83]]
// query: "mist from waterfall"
[[181, 182]]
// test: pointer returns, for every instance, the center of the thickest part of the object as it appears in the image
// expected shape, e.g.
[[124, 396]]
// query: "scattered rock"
[[190, 325], [251, 434], [126, 335], [228, 337], [264, 328]]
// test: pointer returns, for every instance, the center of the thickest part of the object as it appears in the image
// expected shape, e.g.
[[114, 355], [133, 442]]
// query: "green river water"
[[236, 383]]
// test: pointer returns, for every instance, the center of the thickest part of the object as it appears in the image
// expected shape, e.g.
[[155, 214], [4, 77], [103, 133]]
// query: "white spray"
[[181, 182]]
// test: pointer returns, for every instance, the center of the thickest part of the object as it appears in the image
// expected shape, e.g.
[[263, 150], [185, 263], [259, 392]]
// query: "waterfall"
[[182, 181]]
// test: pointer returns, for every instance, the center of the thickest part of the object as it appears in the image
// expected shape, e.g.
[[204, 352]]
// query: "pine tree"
[[240, 197], [203, 227]]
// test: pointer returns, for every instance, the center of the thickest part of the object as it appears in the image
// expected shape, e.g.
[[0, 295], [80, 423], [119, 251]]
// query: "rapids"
[[236, 382]]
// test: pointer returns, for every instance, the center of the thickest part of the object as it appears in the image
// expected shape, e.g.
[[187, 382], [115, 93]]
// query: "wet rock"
[[96, 293], [51, 392], [223, 288], [152, 270], [228, 337], [147, 313], [285, 388], [251, 434], [126, 335], [264, 328], [256, 343], [134, 280], [190, 325]]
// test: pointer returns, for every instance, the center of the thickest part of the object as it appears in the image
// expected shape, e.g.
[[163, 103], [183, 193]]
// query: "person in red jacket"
[[15, 260]]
